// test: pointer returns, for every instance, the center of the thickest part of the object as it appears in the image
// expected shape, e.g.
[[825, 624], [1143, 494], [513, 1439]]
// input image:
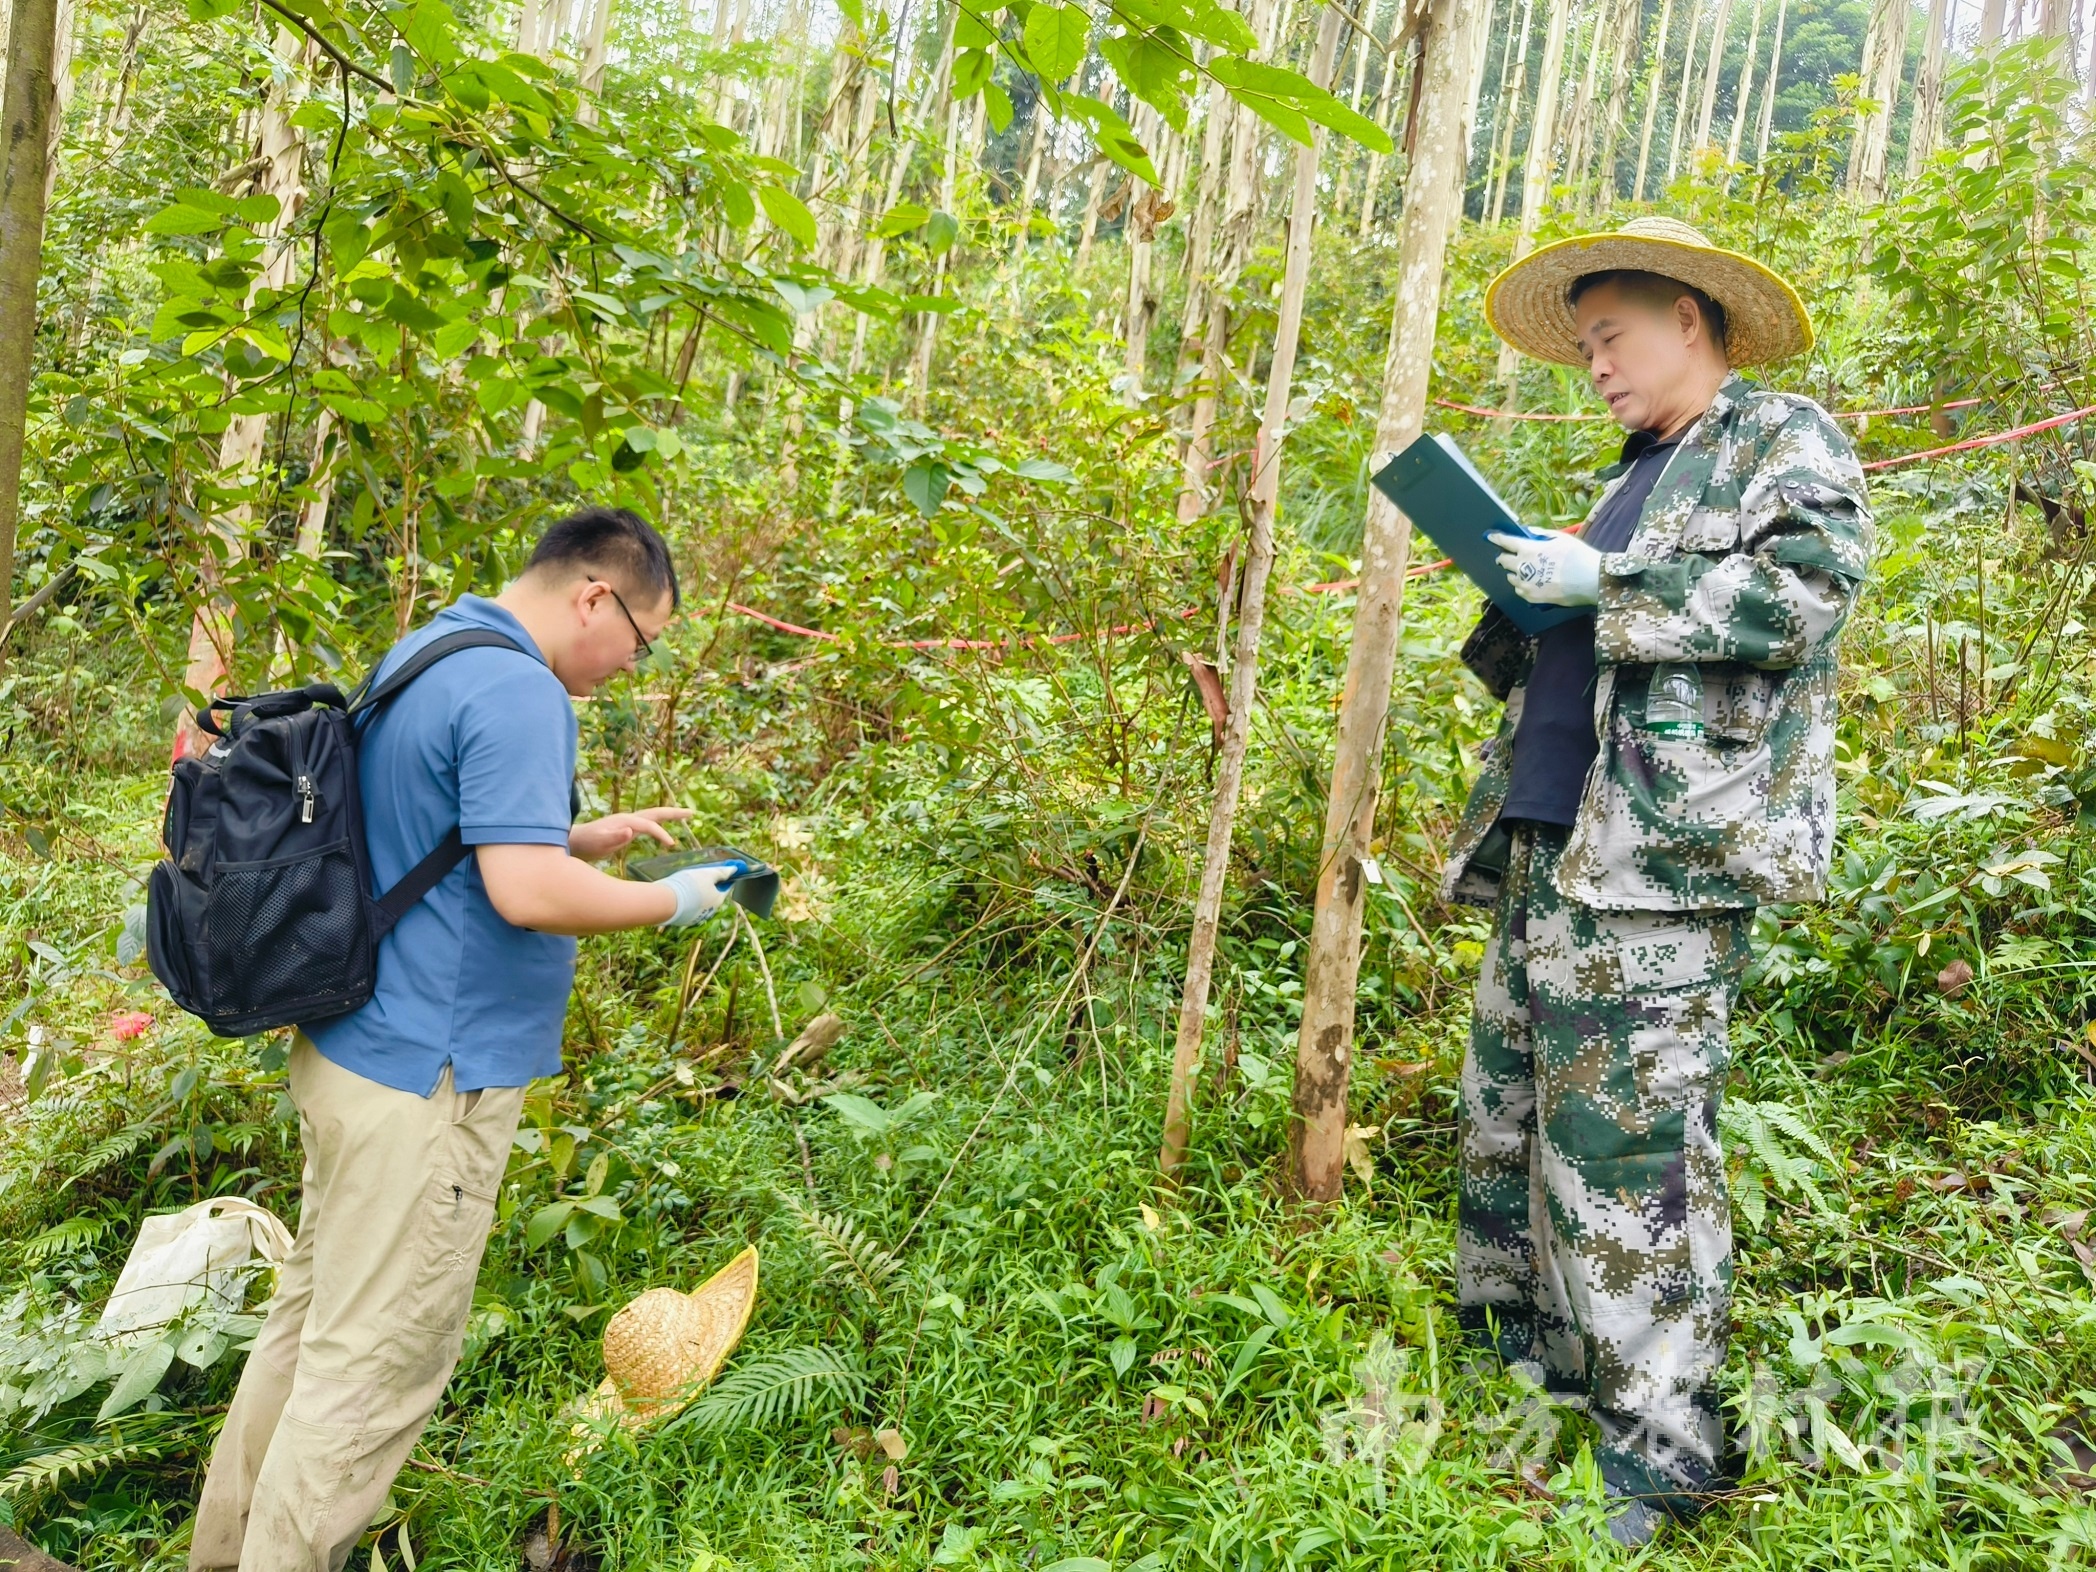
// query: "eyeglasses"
[[646, 649]]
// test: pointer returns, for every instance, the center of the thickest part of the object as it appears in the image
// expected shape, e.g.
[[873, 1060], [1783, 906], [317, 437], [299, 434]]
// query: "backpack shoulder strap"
[[368, 698], [452, 850], [418, 881]]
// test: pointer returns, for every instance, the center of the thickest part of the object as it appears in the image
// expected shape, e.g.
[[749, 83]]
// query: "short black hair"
[[1654, 289], [613, 542]]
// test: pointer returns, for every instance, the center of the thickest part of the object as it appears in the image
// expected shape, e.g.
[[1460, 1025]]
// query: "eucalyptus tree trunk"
[[593, 62], [1394, 80], [1770, 87], [1745, 89], [1688, 75], [282, 157], [1453, 35], [1579, 131], [1883, 47], [1926, 126], [1629, 14], [1231, 248], [1139, 308], [904, 152], [1993, 17], [1510, 116], [25, 109], [1535, 168], [1653, 87], [1713, 62], [949, 178], [1363, 43], [61, 92], [1095, 193], [1200, 234], [1244, 666]]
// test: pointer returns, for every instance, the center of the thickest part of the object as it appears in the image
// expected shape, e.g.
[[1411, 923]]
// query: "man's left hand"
[[1554, 569], [600, 838]]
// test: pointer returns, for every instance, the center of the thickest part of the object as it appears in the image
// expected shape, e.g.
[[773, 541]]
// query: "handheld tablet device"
[[753, 885]]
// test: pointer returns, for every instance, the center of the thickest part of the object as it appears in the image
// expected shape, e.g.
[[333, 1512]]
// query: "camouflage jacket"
[[1745, 561]]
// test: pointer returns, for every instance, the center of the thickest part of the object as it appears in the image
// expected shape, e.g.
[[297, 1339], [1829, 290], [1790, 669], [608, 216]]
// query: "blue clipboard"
[[1446, 498]]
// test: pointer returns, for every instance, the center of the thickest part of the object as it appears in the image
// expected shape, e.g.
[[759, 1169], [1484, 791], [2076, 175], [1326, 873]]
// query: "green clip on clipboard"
[[753, 885], [1446, 498]]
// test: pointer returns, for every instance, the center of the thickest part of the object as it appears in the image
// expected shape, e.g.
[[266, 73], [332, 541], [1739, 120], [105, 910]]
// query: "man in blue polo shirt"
[[407, 1106]]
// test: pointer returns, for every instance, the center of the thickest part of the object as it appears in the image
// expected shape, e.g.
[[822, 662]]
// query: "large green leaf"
[[1112, 134], [789, 212], [1054, 39]]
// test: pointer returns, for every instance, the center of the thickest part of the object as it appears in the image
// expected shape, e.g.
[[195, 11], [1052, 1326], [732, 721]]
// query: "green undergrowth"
[[986, 1335]]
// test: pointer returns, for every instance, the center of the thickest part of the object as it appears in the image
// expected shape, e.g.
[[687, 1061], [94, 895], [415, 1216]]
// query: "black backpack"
[[260, 915]]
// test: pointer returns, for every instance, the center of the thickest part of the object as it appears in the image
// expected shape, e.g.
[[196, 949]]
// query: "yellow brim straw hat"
[[664, 1348], [1764, 318]]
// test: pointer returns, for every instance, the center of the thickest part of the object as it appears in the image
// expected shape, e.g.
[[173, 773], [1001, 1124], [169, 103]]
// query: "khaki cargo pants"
[[1594, 1234], [368, 1319]]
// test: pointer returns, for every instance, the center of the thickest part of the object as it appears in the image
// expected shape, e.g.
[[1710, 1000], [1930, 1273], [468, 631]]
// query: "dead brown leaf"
[[1951, 981]]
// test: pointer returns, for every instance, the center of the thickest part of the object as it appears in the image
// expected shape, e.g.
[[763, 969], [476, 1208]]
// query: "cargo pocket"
[[451, 1235]]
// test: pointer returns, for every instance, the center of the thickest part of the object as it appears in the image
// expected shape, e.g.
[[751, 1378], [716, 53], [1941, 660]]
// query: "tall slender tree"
[[1713, 63], [1630, 16], [25, 113], [1536, 167], [1452, 36], [1884, 49], [279, 165], [1251, 610], [1925, 126], [1655, 82], [1688, 76], [1743, 90], [1510, 115], [1772, 86]]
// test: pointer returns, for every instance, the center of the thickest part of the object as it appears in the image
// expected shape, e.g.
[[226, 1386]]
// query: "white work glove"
[[1557, 570], [700, 893]]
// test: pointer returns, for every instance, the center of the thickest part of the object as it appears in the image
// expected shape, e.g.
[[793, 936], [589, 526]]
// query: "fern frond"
[[111, 1149], [846, 1250], [50, 1470], [74, 1233], [1792, 1123], [773, 1388]]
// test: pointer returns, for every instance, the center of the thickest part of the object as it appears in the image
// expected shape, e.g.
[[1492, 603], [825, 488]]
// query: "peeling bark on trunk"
[[1926, 128], [1535, 168], [1393, 89], [1244, 668], [1883, 48], [24, 182], [1453, 36], [1654, 86], [1770, 86], [1510, 117], [1623, 68], [593, 62], [282, 175], [1745, 90], [1688, 76], [1713, 60]]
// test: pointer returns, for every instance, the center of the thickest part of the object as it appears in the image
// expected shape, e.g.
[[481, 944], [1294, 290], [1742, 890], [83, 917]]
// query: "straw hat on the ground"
[[1764, 319], [663, 1348]]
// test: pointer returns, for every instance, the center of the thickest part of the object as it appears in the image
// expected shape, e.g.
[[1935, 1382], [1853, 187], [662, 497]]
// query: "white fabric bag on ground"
[[183, 1258]]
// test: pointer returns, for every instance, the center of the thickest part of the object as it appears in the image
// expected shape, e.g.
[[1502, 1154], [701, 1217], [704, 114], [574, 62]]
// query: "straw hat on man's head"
[[663, 1348], [1529, 305]]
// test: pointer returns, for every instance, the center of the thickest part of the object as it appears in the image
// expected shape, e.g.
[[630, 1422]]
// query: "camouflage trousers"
[[1595, 1232]]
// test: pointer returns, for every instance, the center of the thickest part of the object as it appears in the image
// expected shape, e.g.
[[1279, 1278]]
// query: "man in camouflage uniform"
[[1664, 764]]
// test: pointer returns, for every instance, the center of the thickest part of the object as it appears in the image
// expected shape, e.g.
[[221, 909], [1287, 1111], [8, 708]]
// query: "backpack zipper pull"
[[305, 799]]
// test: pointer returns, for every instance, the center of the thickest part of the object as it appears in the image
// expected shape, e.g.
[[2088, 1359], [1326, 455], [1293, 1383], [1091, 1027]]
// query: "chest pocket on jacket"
[[1712, 526]]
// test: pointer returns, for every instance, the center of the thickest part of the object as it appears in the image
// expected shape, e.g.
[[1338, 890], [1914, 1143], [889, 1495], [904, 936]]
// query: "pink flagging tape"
[[1846, 414], [1341, 586], [1966, 446]]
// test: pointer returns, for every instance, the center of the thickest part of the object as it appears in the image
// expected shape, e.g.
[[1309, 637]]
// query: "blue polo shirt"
[[485, 739]]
